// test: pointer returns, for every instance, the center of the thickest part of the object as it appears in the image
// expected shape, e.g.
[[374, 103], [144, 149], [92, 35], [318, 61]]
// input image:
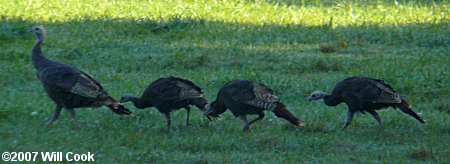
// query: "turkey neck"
[[139, 103], [36, 56], [331, 100]]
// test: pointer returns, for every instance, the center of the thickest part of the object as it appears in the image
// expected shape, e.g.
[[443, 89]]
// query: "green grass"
[[125, 45]]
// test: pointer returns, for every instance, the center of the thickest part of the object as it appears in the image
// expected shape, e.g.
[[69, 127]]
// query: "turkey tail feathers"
[[115, 106], [282, 112], [201, 103], [404, 106]]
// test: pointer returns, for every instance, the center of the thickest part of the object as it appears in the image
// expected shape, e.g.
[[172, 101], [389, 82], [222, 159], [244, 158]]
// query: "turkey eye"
[[37, 29]]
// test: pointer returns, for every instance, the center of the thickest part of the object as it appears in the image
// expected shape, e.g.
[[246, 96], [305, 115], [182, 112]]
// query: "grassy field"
[[295, 47]]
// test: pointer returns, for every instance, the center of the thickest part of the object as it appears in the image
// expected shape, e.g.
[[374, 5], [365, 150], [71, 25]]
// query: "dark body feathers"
[[365, 94], [245, 97], [169, 94], [69, 87]]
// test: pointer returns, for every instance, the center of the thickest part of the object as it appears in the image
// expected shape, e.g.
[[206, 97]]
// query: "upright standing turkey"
[[67, 86], [244, 98], [365, 94], [168, 94]]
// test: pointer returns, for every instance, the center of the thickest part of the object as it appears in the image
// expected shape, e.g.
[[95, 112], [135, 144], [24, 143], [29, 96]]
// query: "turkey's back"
[[52, 74], [364, 93], [234, 93], [169, 93]]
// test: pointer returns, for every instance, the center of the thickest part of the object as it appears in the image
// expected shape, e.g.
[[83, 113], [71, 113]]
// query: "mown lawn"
[[295, 47]]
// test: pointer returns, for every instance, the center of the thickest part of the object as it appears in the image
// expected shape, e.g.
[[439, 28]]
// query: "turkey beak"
[[309, 100], [207, 113], [207, 110]]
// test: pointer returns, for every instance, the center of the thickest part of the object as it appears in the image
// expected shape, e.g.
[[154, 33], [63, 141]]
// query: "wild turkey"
[[67, 86], [365, 94], [244, 98], [169, 94]]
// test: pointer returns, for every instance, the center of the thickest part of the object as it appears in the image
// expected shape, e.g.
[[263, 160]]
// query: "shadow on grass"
[[222, 34], [194, 43]]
